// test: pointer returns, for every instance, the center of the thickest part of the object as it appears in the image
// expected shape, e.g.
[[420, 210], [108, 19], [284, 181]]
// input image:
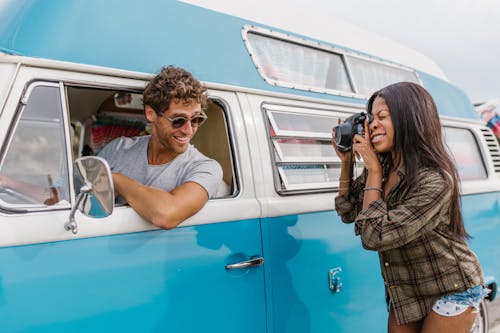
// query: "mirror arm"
[[71, 224]]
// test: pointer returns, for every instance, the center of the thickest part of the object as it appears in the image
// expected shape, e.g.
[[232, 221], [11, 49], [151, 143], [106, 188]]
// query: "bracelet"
[[344, 181], [374, 189]]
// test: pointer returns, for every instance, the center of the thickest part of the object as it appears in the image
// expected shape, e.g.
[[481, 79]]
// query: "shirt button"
[[386, 264], [456, 285]]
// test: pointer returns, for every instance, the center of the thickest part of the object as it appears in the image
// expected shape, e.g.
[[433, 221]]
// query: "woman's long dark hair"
[[418, 140]]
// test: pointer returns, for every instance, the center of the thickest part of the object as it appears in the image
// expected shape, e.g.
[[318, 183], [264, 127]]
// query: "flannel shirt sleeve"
[[418, 212], [349, 208]]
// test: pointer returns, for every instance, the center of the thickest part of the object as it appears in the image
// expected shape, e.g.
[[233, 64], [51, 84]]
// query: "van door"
[[117, 273]]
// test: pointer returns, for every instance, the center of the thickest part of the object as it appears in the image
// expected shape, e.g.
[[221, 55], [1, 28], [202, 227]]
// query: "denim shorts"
[[456, 304]]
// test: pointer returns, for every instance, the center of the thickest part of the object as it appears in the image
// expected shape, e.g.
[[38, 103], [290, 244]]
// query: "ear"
[[150, 114]]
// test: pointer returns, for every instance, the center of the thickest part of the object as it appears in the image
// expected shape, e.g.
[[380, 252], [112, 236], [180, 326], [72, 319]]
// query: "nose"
[[374, 124], [187, 128]]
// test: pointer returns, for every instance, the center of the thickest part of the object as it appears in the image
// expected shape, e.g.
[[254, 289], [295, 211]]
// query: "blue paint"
[[482, 220], [300, 250], [140, 282], [450, 100]]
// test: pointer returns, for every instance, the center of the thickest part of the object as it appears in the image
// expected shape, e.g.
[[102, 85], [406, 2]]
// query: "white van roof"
[[325, 28]]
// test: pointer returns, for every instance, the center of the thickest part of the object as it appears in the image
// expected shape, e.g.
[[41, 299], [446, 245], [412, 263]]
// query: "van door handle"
[[254, 261]]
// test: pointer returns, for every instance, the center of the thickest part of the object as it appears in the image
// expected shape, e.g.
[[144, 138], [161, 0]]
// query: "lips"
[[182, 139], [377, 138]]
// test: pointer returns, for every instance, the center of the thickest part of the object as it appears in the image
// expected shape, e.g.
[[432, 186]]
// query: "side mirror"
[[95, 198]]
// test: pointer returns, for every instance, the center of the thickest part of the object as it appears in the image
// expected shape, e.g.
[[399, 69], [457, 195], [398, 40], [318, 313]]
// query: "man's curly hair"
[[173, 83]]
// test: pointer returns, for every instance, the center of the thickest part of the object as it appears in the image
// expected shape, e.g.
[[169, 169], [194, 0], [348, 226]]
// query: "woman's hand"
[[362, 147]]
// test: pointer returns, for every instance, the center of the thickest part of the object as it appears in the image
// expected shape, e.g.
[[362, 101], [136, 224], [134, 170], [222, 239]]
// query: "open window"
[[100, 115]]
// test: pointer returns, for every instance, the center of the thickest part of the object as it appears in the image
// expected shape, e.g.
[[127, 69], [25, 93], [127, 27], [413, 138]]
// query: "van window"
[[298, 63], [369, 76], [285, 63], [302, 152], [465, 150], [34, 169], [101, 115]]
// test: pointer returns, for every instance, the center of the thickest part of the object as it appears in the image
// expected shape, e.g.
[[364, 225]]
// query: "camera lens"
[[343, 136]]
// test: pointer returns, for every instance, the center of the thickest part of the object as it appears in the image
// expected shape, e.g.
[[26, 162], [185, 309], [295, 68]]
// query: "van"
[[268, 253]]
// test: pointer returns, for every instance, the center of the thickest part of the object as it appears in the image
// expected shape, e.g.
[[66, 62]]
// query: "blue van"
[[269, 253]]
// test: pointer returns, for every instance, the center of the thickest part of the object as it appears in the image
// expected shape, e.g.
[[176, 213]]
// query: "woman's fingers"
[[367, 129]]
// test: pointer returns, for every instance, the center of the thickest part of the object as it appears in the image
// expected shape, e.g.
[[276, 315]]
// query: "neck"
[[157, 154]]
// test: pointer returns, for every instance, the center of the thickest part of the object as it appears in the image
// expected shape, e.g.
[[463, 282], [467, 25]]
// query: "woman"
[[406, 206]]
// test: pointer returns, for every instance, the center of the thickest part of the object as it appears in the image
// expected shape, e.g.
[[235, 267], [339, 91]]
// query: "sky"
[[461, 36]]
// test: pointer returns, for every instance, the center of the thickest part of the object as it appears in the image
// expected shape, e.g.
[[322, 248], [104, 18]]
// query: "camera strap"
[[351, 167]]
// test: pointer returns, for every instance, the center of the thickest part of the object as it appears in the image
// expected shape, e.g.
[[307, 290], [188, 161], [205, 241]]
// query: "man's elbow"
[[166, 222]]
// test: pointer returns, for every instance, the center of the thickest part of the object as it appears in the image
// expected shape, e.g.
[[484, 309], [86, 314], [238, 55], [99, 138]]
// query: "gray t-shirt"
[[128, 156]]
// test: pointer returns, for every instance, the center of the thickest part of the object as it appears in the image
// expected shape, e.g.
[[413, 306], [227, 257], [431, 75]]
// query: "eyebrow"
[[380, 110], [196, 113]]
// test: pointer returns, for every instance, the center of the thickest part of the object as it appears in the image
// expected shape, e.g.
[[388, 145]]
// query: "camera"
[[345, 132]]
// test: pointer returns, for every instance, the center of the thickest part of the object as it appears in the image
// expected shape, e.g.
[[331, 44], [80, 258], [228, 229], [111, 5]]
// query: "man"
[[161, 176]]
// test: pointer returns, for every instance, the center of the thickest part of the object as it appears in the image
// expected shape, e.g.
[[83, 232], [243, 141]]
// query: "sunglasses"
[[196, 121]]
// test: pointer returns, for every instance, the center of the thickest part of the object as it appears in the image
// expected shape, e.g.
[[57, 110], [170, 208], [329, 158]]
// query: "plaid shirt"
[[420, 260]]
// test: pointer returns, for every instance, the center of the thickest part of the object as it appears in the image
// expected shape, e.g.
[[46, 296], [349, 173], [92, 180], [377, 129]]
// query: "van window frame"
[[236, 169]]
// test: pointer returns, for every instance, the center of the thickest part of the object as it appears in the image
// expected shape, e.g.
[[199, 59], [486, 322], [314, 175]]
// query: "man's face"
[[175, 139]]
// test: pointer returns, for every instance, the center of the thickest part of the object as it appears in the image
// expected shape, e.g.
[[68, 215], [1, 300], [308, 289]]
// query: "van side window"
[[369, 76], [299, 63], [290, 63], [34, 168], [101, 115], [301, 149], [466, 152]]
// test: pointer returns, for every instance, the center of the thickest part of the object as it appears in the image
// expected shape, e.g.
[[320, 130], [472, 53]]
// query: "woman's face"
[[381, 128]]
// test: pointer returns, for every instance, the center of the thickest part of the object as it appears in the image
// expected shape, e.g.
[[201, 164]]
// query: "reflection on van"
[[269, 253]]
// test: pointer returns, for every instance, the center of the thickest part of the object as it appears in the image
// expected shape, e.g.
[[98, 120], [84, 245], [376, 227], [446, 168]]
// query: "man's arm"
[[163, 209]]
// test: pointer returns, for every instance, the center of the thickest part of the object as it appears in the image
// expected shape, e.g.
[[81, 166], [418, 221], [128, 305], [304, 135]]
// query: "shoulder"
[[126, 143], [433, 176], [198, 161], [194, 155], [432, 182]]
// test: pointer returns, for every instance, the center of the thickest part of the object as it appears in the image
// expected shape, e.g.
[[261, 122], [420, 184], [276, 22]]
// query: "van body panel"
[[481, 214], [300, 251], [144, 281], [450, 100]]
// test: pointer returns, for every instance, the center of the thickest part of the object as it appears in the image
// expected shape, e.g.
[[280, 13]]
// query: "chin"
[[381, 149], [182, 149]]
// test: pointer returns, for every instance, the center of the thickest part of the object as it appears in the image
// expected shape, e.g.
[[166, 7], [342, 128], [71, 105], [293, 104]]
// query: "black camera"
[[345, 132]]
